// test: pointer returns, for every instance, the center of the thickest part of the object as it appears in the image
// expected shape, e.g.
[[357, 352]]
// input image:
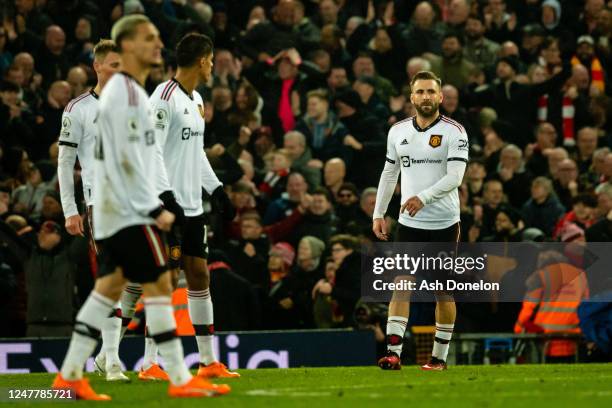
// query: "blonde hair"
[[125, 27], [103, 48]]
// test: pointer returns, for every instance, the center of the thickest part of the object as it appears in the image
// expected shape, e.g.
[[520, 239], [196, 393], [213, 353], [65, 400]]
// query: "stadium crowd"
[[297, 113]]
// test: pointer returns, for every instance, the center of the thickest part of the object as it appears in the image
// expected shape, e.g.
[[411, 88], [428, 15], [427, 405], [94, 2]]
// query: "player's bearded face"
[[427, 108], [426, 97]]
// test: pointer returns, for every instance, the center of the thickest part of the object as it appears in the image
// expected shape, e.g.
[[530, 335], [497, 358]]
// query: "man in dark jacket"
[[319, 221], [513, 101], [543, 209], [236, 306], [346, 288], [50, 283], [249, 254]]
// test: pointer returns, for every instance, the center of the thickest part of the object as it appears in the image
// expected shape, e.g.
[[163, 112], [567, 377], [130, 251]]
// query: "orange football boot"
[[198, 387], [216, 370], [153, 373], [81, 388]]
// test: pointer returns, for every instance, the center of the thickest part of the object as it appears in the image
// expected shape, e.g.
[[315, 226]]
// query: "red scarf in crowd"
[[567, 114]]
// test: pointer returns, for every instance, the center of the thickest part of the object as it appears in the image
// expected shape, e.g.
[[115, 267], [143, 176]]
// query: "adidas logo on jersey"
[[186, 111], [404, 142]]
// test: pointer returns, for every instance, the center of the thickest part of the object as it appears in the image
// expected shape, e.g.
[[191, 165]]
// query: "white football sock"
[[201, 314], [129, 298], [150, 353], [89, 322], [111, 335], [396, 327], [160, 320], [444, 332]]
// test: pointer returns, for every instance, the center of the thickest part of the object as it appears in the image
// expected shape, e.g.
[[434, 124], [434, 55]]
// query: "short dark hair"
[[425, 75], [453, 34], [585, 198], [345, 240], [323, 192], [191, 48]]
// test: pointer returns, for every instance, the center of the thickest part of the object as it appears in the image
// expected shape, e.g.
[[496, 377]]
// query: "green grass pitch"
[[461, 386]]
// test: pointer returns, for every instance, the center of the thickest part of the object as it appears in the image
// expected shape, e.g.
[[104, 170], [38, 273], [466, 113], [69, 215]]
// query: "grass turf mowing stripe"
[[460, 386]]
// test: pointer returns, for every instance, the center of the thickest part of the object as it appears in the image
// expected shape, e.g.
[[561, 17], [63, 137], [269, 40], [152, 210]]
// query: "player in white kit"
[[179, 119], [129, 219], [77, 139], [430, 153]]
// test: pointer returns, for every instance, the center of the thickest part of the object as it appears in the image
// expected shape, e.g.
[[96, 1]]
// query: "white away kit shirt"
[[179, 122], [431, 163], [77, 139], [127, 168]]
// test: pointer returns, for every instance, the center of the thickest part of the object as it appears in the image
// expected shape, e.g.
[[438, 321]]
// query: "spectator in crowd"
[[543, 209], [508, 225], [586, 143], [52, 62], [334, 173], [346, 286], [492, 197], [566, 184], [323, 130], [511, 171], [536, 153], [479, 49], [301, 158], [582, 213], [364, 66], [50, 275], [282, 207], [319, 221], [347, 206], [361, 224], [452, 67], [290, 296], [423, 33], [280, 261], [249, 254]]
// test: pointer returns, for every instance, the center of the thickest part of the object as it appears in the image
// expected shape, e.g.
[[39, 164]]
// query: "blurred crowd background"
[[297, 113]]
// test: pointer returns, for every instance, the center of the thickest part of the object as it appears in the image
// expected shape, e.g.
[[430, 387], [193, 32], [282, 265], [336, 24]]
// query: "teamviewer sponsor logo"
[[407, 161], [185, 133]]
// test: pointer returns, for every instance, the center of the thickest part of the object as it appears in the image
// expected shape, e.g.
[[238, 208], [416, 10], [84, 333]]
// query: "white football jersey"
[[422, 157], [77, 139], [179, 122], [126, 158]]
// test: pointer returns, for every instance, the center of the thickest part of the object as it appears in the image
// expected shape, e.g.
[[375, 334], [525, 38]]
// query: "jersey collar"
[[94, 94], [432, 124], [182, 89]]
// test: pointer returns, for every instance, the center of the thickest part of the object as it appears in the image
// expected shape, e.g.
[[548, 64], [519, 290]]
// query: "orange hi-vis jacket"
[[181, 314], [551, 302]]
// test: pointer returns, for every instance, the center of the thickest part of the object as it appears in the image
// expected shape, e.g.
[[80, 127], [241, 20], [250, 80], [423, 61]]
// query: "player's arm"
[[214, 187], [386, 187], [69, 139], [456, 163], [163, 115]]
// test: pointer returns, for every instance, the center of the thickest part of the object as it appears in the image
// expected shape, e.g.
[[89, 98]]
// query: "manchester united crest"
[[175, 252], [435, 140]]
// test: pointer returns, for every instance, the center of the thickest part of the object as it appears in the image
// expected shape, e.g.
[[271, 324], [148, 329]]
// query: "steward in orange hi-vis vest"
[[550, 305]]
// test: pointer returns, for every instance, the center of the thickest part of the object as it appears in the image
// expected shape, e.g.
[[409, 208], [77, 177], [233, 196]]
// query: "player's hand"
[[173, 206], [413, 205], [379, 227], [74, 225], [223, 204], [164, 220]]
